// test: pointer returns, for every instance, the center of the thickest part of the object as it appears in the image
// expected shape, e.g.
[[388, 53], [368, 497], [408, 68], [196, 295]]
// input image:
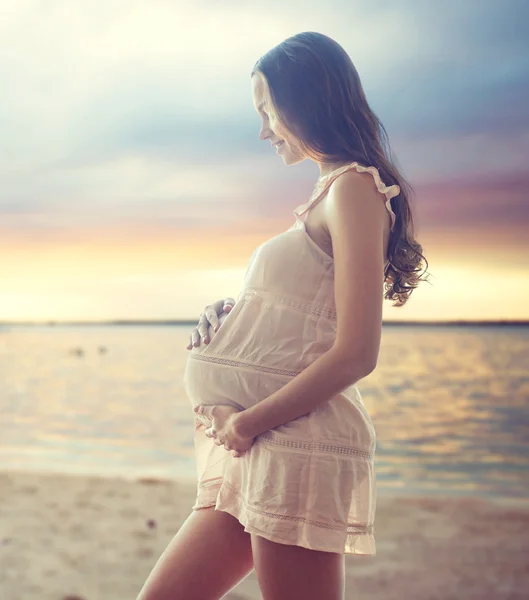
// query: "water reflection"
[[450, 405]]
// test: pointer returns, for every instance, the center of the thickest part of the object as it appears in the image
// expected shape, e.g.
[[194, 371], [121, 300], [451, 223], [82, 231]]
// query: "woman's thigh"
[[294, 573], [210, 555]]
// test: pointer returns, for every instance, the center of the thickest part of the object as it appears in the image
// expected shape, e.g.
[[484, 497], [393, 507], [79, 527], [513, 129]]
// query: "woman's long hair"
[[317, 95]]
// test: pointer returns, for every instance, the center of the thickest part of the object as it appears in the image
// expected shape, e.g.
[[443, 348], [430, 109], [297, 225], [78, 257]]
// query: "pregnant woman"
[[284, 444]]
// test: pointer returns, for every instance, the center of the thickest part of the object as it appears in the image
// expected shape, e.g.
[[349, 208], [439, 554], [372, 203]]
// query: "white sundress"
[[311, 481]]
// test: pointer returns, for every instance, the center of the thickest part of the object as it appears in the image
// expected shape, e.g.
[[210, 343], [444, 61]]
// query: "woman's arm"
[[355, 217], [327, 376]]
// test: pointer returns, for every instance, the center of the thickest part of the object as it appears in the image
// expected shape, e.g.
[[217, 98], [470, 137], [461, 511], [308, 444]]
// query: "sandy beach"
[[87, 538]]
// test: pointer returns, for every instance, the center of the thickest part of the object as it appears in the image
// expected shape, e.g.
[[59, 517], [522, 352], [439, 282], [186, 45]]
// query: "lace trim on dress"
[[238, 363], [388, 191], [304, 307], [210, 482], [350, 528], [272, 437]]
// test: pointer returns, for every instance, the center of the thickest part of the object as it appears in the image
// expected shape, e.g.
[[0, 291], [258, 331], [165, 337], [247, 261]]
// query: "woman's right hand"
[[210, 317]]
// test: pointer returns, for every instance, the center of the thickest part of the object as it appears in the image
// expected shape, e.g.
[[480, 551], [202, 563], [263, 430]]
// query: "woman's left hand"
[[223, 428]]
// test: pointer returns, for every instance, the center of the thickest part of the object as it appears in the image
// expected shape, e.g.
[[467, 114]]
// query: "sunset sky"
[[133, 184]]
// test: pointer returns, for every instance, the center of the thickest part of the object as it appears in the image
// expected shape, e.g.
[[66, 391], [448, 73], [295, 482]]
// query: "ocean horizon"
[[450, 406]]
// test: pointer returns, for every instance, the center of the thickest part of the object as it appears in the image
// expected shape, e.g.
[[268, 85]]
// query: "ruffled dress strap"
[[323, 183]]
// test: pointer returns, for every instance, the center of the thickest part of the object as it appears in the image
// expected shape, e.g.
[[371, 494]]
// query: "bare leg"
[[294, 573], [209, 556]]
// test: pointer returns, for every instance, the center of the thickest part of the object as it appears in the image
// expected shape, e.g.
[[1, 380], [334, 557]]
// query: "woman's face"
[[271, 130]]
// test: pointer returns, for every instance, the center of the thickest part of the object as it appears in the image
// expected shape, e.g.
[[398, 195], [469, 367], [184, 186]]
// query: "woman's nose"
[[264, 134]]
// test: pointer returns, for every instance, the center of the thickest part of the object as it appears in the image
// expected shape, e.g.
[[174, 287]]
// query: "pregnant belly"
[[208, 382]]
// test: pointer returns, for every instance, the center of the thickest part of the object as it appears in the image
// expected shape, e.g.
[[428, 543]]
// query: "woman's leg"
[[210, 555], [296, 573]]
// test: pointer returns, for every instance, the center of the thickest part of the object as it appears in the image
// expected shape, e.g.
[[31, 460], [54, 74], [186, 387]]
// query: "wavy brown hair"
[[317, 95]]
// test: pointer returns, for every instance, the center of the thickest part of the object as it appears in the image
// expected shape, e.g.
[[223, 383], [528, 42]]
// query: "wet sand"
[[68, 537]]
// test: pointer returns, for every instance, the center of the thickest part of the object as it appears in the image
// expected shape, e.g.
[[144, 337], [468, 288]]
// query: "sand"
[[87, 538]]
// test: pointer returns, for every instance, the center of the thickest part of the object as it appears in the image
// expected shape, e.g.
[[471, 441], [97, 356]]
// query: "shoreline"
[[98, 537], [185, 481]]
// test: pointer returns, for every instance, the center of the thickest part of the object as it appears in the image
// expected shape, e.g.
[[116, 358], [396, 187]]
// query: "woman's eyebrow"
[[261, 105]]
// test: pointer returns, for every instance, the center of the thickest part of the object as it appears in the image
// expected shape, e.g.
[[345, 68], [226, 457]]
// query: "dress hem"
[[238, 509]]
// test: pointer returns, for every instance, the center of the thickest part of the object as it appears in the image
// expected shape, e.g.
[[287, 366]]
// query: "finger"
[[202, 328], [200, 333], [205, 411], [217, 442], [212, 317], [228, 304], [194, 338]]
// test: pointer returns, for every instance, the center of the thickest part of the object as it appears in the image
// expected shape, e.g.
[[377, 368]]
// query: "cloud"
[[494, 201], [464, 69], [453, 155], [112, 110]]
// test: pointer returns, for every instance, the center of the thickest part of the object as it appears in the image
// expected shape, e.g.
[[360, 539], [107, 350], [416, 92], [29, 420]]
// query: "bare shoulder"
[[354, 204], [352, 192]]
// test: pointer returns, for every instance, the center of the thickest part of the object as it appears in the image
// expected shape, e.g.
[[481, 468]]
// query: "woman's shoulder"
[[355, 188]]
